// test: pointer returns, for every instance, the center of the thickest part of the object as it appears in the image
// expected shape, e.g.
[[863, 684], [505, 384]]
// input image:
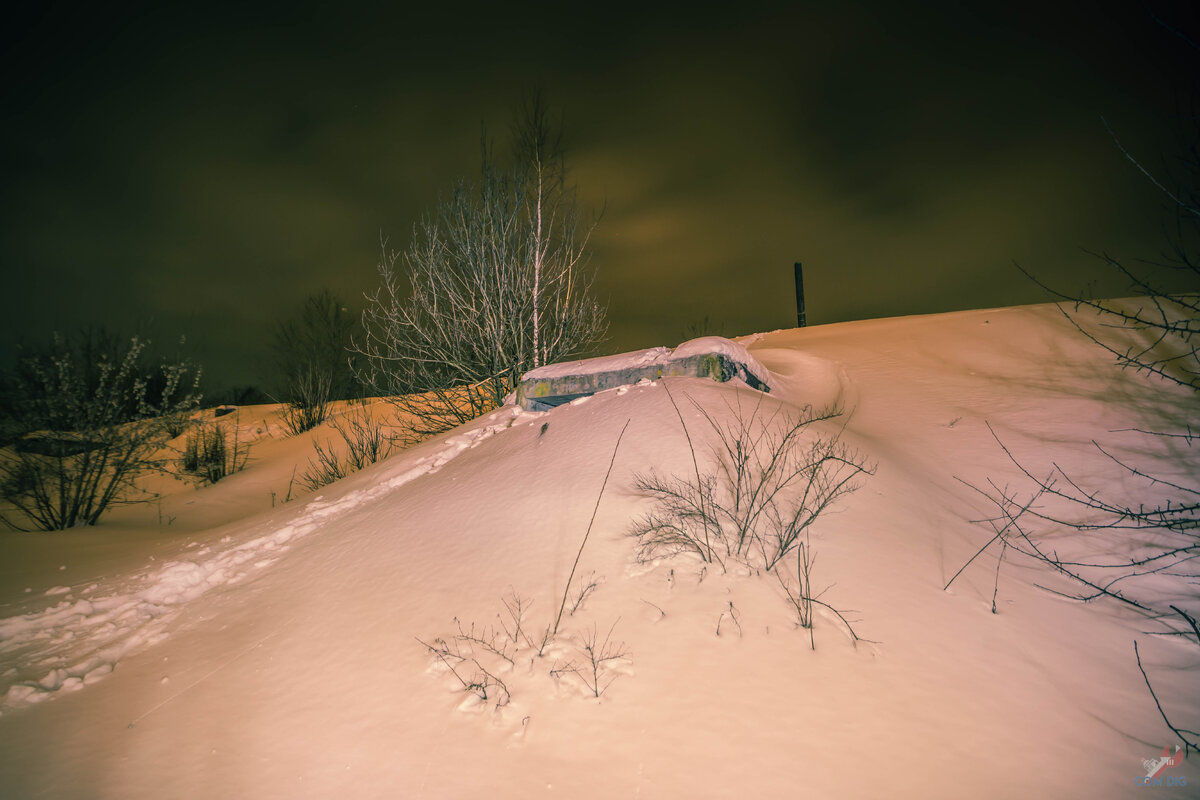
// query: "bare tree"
[[495, 282], [549, 206], [312, 360]]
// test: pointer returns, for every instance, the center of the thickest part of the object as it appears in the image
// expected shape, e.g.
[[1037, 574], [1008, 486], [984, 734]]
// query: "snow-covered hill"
[[286, 652]]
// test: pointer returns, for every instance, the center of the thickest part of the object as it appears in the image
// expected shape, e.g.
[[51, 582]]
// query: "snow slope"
[[281, 655]]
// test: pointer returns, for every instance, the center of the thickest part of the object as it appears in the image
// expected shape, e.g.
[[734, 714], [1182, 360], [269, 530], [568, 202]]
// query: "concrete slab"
[[712, 357]]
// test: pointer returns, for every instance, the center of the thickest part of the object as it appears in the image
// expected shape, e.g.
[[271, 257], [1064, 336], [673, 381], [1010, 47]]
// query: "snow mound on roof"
[[719, 345], [705, 345], [594, 366]]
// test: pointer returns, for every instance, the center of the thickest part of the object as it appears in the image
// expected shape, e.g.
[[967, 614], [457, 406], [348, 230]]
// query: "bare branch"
[[1188, 744]]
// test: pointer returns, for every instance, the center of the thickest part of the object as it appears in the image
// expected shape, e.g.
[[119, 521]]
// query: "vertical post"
[[801, 318]]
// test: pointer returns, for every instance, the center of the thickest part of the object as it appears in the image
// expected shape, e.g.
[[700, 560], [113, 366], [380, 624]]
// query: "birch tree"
[[539, 147], [496, 281]]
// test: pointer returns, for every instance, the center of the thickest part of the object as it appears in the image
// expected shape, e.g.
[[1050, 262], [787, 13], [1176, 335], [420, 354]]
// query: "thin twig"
[[588, 532], [695, 465], [1190, 620], [1187, 744]]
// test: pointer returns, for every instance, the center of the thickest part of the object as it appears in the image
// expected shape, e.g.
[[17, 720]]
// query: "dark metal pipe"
[[801, 318]]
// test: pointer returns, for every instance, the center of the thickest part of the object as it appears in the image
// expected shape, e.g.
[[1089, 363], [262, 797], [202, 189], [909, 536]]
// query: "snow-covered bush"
[[88, 429]]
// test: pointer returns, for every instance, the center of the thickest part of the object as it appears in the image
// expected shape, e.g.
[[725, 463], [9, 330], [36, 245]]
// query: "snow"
[[593, 366], [110, 626], [251, 651], [719, 345]]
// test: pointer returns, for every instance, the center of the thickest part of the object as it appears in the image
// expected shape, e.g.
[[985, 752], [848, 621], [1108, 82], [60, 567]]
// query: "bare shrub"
[[365, 438], [1152, 523], [312, 360], [1140, 535], [311, 395], [460, 658], [87, 429], [477, 653], [327, 468], [596, 661], [208, 454], [365, 442], [176, 425], [803, 598], [1155, 336], [768, 483], [587, 584]]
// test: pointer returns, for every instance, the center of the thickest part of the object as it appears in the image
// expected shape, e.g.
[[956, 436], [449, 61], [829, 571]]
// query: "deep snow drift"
[[282, 652]]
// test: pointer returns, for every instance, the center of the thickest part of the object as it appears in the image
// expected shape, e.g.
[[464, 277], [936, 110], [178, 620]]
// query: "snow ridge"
[[79, 641]]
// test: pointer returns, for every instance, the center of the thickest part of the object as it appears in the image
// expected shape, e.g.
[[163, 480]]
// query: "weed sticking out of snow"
[[491, 662], [596, 663]]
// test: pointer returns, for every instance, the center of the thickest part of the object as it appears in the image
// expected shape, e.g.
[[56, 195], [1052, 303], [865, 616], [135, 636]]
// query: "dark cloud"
[[200, 169]]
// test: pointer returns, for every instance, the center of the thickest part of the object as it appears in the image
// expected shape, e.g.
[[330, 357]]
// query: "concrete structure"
[[710, 357]]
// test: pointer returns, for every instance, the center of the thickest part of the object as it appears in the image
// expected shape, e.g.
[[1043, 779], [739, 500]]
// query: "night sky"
[[198, 169]]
